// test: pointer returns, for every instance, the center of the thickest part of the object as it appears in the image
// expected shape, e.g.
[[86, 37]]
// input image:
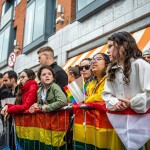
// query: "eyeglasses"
[[87, 67], [96, 59]]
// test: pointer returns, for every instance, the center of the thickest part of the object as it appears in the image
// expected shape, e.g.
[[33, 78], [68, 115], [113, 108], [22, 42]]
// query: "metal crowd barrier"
[[85, 129]]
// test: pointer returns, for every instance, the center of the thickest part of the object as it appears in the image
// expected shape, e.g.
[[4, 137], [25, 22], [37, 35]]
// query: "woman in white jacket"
[[128, 76]]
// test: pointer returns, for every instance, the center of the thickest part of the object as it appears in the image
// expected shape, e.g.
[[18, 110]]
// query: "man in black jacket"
[[10, 80], [4, 91], [46, 57], [9, 90]]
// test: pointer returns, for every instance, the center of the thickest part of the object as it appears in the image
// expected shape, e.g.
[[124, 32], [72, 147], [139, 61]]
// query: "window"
[[4, 44], [3, 9], [39, 19], [86, 8], [34, 27], [39, 23], [29, 24], [83, 3], [16, 2]]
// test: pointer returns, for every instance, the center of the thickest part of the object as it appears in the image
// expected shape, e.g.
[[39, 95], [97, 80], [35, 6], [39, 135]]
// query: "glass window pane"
[[18, 1], [1, 44], [39, 19], [83, 3], [3, 9], [5, 44], [29, 24]]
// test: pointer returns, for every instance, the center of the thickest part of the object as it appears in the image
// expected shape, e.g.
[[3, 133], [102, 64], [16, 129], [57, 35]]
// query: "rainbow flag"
[[41, 130], [84, 88], [92, 130], [76, 91], [132, 128], [70, 95]]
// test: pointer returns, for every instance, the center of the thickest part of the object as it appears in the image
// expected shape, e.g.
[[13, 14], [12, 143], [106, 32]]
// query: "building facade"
[[73, 28]]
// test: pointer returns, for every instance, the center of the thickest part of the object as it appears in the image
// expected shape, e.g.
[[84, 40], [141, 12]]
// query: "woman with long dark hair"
[[99, 64], [26, 95], [127, 83]]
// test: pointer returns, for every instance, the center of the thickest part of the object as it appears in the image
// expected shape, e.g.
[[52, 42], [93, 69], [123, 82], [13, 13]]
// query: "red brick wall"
[[19, 22], [69, 12]]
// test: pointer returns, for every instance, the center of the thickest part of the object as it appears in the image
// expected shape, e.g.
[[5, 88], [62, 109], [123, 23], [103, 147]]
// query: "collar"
[[102, 79], [53, 64], [42, 87], [121, 66]]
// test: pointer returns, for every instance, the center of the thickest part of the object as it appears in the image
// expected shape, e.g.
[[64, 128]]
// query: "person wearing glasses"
[[85, 70], [26, 94], [95, 88]]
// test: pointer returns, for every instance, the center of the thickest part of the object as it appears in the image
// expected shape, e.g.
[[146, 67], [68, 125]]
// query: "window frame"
[[10, 43], [84, 6], [91, 8], [48, 27], [3, 9]]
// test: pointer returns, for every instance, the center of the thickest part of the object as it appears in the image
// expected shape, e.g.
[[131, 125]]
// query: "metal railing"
[[83, 128]]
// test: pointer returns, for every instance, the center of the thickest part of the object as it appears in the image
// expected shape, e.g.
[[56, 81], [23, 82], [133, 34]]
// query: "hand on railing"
[[33, 108]]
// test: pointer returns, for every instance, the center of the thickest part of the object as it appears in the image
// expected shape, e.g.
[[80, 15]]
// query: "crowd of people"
[[120, 78]]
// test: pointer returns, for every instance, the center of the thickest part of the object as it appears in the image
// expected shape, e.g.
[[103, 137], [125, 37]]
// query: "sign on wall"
[[12, 59]]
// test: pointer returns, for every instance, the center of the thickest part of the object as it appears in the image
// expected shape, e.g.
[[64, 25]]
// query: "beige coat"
[[138, 90]]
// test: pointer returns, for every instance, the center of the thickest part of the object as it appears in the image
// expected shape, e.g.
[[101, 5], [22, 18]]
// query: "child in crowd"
[[26, 95], [127, 83], [95, 88], [50, 95]]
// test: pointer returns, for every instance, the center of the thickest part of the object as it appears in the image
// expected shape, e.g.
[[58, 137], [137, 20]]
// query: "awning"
[[142, 38]]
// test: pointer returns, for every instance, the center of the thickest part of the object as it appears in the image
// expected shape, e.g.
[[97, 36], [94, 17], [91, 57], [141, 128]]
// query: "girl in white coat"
[[127, 83]]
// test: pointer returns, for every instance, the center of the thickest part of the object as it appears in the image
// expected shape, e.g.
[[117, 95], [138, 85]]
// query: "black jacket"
[[61, 77], [5, 92]]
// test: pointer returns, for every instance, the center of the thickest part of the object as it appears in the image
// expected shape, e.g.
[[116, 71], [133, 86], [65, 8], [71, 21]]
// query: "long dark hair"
[[31, 75], [126, 45]]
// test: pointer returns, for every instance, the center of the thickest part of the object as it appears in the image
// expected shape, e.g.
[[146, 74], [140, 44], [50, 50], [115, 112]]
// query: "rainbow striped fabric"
[[70, 95], [41, 130], [76, 91], [92, 130]]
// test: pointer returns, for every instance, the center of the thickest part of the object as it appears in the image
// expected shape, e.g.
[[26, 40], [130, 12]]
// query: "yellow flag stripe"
[[100, 137], [53, 138]]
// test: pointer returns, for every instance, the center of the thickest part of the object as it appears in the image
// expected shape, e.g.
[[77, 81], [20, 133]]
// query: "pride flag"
[[70, 95], [76, 91], [92, 130], [43, 131], [132, 128]]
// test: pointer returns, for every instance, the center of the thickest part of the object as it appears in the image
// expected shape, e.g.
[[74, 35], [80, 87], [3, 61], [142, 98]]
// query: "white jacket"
[[138, 90]]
